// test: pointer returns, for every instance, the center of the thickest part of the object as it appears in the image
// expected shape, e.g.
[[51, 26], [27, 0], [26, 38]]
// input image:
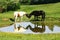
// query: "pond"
[[31, 27]]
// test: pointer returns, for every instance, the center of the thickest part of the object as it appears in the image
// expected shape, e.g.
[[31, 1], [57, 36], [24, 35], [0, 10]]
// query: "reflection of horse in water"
[[19, 28], [37, 14], [36, 28]]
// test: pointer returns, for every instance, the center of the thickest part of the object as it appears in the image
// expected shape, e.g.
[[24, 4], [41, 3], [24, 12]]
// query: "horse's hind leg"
[[15, 18], [43, 18]]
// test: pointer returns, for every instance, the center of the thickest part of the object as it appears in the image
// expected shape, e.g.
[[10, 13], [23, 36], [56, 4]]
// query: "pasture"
[[52, 16], [12, 36], [52, 13]]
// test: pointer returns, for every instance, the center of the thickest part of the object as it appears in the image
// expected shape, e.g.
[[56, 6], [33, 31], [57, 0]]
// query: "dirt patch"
[[5, 19]]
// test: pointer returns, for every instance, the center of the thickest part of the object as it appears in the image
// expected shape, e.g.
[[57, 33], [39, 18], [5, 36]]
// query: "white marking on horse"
[[19, 14]]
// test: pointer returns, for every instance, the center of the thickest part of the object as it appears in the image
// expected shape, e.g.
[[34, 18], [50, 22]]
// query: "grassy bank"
[[52, 13], [12, 36]]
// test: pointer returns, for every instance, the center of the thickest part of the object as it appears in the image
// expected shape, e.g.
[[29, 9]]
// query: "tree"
[[38, 1], [25, 1]]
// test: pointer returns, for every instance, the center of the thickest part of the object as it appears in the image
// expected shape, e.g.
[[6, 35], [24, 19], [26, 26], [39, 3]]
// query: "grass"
[[52, 13], [52, 17], [12, 36]]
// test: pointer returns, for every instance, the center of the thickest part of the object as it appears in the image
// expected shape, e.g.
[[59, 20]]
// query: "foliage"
[[38, 1], [7, 5], [2, 5], [13, 6], [25, 1], [52, 13]]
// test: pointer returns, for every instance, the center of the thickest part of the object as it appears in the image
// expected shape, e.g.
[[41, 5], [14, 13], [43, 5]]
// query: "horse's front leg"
[[34, 17], [37, 18], [21, 18], [15, 18]]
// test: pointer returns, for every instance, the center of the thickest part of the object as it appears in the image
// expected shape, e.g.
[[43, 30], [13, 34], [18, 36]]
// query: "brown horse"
[[37, 14]]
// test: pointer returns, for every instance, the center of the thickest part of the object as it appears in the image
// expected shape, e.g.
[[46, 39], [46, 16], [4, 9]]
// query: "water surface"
[[31, 27]]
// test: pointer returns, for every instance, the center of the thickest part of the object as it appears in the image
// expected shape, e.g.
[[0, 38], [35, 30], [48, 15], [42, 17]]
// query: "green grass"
[[52, 13], [12, 36], [52, 17]]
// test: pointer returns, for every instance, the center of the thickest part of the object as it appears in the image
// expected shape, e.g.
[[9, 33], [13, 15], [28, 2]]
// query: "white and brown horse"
[[19, 14]]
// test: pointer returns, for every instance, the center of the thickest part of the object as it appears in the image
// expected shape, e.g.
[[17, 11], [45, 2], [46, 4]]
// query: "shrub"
[[2, 6], [8, 5], [25, 1], [13, 6], [38, 1]]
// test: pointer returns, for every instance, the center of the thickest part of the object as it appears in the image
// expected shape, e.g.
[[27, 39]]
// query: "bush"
[[38, 1], [25, 1], [2, 6], [2, 9], [13, 6], [8, 5]]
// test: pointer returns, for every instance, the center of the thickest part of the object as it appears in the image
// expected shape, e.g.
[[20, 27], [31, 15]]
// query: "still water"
[[31, 27]]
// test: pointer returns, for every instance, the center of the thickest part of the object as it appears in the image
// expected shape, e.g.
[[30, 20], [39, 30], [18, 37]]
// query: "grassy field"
[[12, 36], [52, 16], [52, 13]]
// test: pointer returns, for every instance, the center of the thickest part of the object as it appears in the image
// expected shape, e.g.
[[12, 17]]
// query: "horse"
[[37, 14], [19, 14]]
